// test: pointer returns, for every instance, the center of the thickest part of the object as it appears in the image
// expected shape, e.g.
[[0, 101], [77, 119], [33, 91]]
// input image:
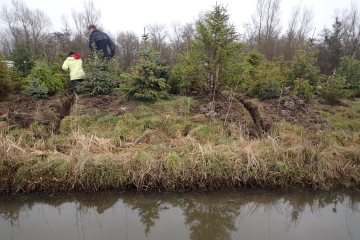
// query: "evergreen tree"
[[302, 89], [302, 66], [266, 77], [214, 52], [98, 79], [350, 69], [148, 76], [23, 59], [54, 82], [333, 89], [36, 89], [331, 48]]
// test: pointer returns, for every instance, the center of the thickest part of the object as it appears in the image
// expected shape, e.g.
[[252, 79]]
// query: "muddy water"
[[217, 215]]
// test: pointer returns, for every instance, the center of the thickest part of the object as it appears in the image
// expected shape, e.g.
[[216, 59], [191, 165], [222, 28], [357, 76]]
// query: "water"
[[216, 215]]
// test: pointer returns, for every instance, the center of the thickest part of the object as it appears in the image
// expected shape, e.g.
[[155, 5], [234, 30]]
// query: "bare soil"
[[250, 112], [102, 105], [25, 110]]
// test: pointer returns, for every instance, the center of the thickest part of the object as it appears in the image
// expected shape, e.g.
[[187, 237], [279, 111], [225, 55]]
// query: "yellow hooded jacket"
[[74, 63]]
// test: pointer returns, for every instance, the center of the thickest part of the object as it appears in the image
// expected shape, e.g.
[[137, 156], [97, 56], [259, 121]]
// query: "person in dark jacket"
[[102, 41]]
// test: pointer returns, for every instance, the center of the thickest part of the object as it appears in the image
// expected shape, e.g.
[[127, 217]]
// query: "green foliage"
[[302, 66], [334, 89], [23, 59], [98, 79], [350, 69], [6, 85], [302, 89], [267, 78], [174, 82], [36, 89], [18, 81], [57, 62], [255, 89], [270, 90], [43, 73], [214, 53], [148, 80], [254, 58], [188, 73]]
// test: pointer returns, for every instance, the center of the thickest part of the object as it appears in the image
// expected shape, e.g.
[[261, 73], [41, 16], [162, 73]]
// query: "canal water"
[[244, 215]]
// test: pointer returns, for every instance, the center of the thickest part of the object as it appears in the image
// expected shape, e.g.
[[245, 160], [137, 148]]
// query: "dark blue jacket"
[[102, 40]]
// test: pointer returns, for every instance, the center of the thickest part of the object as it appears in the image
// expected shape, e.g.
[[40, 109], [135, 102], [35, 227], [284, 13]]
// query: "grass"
[[162, 147]]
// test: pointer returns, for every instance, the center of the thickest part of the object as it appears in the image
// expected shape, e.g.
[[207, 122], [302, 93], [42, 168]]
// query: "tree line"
[[207, 53], [264, 31]]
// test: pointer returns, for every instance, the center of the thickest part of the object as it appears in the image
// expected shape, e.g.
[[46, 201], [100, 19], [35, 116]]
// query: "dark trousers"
[[74, 83]]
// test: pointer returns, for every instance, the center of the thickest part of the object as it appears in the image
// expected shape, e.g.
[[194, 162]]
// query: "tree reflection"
[[207, 215], [148, 206], [210, 217]]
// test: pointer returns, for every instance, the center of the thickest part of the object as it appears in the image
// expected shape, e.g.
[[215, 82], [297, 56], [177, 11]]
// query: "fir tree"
[[36, 89], [98, 79], [148, 76], [350, 69], [54, 82], [214, 52], [23, 59], [333, 89], [302, 66]]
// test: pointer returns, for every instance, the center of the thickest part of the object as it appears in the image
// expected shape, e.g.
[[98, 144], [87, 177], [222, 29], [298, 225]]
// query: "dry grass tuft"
[[174, 152]]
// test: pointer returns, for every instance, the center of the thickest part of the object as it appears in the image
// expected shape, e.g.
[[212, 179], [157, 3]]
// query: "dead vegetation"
[[169, 145]]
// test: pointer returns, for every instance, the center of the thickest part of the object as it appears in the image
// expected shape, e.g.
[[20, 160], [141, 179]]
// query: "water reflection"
[[215, 215]]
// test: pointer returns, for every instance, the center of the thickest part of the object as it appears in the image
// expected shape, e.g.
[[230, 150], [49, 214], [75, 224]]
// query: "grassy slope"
[[163, 146]]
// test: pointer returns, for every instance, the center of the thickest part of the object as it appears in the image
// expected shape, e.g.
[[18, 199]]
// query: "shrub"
[[175, 80], [302, 89], [17, 79], [350, 69], [267, 78], [254, 58], [302, 66], [98, 80], [333, 89], [36, 89], [255, 89], [6, 85], [54, 82], [270, 90]]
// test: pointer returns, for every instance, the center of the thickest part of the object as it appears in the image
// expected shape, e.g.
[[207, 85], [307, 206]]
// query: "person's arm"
[[112, 47], [91, 40], [65, 66]]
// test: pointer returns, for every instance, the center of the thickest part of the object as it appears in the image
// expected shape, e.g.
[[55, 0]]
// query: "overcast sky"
[[133, 15]]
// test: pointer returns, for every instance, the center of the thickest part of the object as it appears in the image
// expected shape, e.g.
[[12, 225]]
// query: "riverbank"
[[169, 146]]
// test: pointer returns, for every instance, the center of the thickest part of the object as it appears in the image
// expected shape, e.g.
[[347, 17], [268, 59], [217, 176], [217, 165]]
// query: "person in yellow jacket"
[[74, 63]]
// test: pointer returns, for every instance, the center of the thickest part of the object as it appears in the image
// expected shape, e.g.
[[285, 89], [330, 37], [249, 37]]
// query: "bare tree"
[[39, 26], [82, 20], [25, 26], [299, 27], [22, 16], [158, 34], [351, 31], [264, 28], [128, 44], [181, 36]]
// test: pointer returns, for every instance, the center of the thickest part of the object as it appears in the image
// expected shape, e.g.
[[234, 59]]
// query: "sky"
[[133, 15]]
